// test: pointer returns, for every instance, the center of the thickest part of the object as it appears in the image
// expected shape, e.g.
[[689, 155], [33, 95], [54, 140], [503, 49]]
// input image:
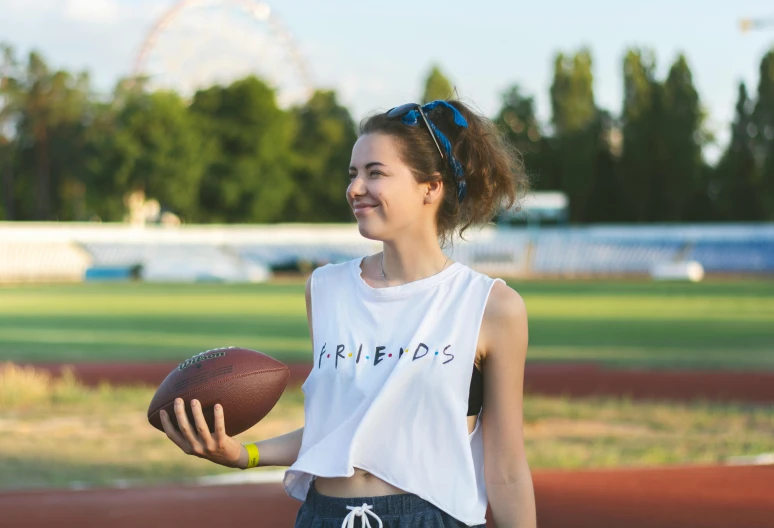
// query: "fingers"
[[198, 441], [194, 444], [220, 424], [172, 433], [201, 425]]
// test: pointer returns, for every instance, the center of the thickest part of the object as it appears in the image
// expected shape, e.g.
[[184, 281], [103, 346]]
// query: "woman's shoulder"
[[503, 303], [481, 276], [505, 314], [330, 270], [504, 299]]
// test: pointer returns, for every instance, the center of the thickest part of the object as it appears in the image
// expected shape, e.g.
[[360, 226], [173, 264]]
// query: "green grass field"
[[728, 325], [725, 325]]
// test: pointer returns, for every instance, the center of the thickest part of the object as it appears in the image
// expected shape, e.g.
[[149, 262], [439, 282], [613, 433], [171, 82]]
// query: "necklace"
[[385, 278]]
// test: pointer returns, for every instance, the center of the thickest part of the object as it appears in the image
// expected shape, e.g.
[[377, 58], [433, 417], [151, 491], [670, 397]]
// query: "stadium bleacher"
[[734, 256], [566, 255], [170, 262], [22, 261], [280, 256], [49, 252]]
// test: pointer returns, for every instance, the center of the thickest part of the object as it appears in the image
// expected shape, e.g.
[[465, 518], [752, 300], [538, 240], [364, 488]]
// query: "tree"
[[736, 183], [640, 117], [682, 138], [325, 134], [606, 197], [572, 92], [48, 109], [575, 119], [248, 178], [9, 96], [518, 122], [763, 120], [437, 86], [154, 146]]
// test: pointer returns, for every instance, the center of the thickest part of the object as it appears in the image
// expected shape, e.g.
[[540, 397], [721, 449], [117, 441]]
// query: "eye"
[[351, 176]]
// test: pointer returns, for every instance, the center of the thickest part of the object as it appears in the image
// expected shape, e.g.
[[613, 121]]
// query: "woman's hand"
[[198, 441]]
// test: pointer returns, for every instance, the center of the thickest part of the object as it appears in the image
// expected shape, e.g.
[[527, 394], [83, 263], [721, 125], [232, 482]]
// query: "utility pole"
[[6, 152]]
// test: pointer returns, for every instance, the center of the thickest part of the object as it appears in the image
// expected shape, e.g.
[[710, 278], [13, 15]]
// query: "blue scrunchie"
[[412, 118]]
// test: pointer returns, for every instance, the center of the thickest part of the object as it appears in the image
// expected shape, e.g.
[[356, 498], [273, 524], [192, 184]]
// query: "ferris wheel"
[[198, 43]]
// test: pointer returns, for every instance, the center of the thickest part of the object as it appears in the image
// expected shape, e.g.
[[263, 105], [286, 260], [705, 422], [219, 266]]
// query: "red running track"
[[572, 379], [675, 497]]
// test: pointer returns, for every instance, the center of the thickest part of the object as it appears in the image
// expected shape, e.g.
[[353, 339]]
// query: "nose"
[[356, 188]]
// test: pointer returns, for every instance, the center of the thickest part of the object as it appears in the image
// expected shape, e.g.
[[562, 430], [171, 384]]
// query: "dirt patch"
[[553, 427]]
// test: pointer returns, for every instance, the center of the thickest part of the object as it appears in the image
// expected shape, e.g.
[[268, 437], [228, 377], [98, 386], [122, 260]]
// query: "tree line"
[[230, 154]]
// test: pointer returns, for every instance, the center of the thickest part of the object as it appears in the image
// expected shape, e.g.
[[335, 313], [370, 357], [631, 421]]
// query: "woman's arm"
[[280, 450], [195, 439], [283, 450], [506, 472]]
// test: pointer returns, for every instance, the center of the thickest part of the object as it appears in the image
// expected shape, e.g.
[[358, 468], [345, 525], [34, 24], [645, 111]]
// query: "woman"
[[404, 342]]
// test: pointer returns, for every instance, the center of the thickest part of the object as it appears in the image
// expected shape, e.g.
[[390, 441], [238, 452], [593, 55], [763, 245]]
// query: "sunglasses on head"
[[400, 111], [437, 135]]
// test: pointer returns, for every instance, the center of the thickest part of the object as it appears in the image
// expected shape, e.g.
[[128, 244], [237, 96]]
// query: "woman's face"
[[384, 196]]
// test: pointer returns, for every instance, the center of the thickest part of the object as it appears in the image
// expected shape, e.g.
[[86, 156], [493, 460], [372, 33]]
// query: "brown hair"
[[493, 168]]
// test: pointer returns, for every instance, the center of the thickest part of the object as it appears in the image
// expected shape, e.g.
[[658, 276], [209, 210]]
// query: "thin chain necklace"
[[385, 278]]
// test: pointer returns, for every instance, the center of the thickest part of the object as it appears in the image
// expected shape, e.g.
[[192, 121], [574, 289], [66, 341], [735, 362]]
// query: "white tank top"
[[388, 392]]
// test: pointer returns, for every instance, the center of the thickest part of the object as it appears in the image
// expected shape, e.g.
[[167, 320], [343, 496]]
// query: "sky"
[[376, 54]]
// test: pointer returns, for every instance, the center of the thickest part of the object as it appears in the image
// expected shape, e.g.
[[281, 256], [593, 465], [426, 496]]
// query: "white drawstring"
[[360, 511]]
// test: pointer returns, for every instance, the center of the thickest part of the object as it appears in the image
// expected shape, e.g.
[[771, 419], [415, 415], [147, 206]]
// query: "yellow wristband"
[[252, 455]]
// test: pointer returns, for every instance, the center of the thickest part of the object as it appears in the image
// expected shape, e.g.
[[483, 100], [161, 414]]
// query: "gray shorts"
[[404, 510]]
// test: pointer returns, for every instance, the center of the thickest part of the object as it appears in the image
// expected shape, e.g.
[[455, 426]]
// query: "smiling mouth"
[[364, 207]]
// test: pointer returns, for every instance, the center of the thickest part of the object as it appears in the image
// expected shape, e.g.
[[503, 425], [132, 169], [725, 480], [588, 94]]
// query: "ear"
[[434, 190]]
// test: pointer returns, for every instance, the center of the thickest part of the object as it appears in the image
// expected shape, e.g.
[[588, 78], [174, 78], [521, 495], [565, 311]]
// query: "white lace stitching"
[[360, 511]]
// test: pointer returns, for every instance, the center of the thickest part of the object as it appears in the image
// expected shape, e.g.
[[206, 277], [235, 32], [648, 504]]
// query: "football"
[[245, 382]]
